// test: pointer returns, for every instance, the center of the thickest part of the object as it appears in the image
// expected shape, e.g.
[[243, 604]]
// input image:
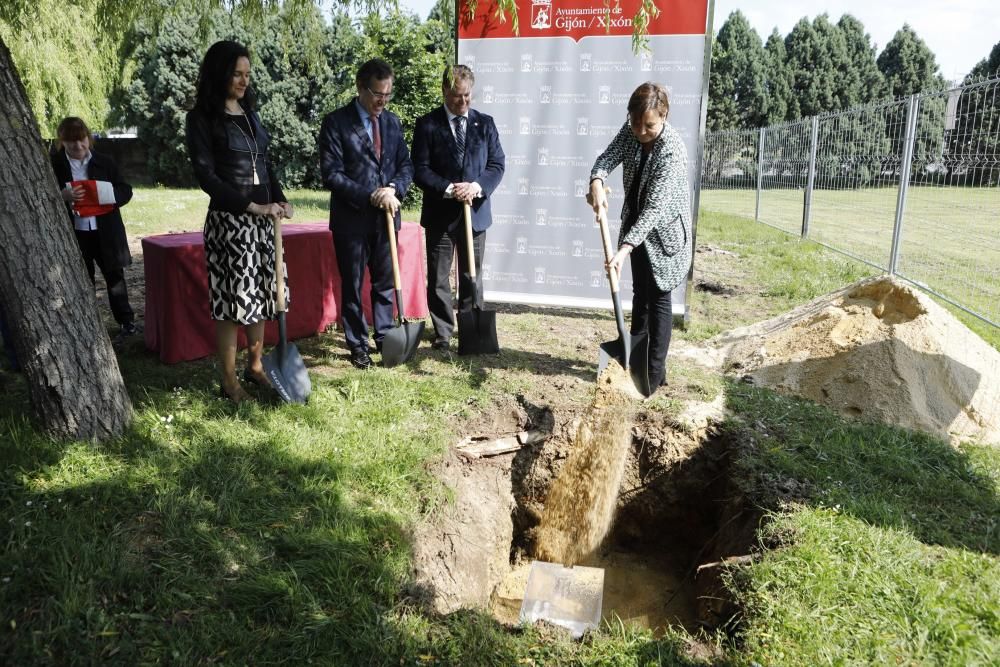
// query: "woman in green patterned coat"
[[656, 216]]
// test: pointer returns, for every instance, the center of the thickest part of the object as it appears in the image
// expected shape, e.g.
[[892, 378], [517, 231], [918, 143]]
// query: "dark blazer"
[[110, 227], [351, 172], [222, 164], [435, 167]]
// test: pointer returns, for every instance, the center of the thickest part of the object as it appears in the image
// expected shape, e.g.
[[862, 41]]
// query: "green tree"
[[737, 92], [66, 66], [168, 54], [908, 64], [972, 127], [441, 28], [817, 57], [778, 80], [865, 75]]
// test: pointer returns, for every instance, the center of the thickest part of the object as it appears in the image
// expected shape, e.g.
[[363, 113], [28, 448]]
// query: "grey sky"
[[959, 32]]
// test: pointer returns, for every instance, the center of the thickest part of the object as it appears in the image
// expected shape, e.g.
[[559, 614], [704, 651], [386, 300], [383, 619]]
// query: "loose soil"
[[878, 350]]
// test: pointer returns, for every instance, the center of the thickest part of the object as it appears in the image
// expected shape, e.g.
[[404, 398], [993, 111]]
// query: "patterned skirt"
[[239, 250]]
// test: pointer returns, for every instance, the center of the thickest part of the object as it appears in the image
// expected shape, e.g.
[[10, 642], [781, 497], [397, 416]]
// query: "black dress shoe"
[[441, 343], [360, 359]]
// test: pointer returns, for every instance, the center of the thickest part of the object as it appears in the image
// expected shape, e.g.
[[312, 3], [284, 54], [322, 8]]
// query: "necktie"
[[376, 137], [460, 139]]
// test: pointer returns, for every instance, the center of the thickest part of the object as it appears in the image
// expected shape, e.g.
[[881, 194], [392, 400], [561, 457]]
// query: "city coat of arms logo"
[[541, 14]]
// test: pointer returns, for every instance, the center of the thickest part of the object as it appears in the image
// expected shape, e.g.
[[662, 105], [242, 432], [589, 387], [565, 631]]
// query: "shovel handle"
[[602, 221], [279, 264], [390, 230], [469, 250]]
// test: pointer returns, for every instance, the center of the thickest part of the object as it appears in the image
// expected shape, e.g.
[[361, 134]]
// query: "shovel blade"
[[288, 375], [477, 332], [638, 359], [400, 343]]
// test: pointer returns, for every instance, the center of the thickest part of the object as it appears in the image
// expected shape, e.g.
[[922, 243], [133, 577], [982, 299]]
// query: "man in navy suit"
[[457, 158], [366, 166]]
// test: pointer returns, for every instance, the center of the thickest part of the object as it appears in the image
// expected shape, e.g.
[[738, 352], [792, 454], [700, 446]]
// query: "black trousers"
[[651, 314], [354, 252], [441, 242], [90, 247]]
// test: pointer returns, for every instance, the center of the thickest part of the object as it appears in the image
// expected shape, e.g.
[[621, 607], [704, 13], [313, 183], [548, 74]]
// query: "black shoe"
[[378, 346], [441, 343], [128, 329], [360, 359]]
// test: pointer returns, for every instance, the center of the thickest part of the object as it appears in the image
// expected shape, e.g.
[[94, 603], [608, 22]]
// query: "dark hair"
[[215, 75], [377, 69], [455, 73], [648, 97], [72, 129]]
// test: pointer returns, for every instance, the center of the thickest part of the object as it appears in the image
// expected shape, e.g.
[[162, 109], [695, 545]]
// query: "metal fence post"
[[904, 181], [811, 182], [760, 173]]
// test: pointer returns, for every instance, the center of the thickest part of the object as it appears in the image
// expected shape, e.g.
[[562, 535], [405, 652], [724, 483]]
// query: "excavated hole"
[[679, 519]]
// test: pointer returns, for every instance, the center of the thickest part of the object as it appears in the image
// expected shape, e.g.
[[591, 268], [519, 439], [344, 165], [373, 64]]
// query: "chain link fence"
[[909, 186]]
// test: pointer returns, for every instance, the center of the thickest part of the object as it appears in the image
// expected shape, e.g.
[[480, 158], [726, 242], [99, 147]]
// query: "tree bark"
[[72, 374]]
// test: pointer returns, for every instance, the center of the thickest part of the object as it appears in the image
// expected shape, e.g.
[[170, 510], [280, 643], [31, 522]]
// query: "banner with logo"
[[558, 92]]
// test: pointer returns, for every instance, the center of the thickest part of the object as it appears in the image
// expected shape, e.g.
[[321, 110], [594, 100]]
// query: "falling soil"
[[581, 503]]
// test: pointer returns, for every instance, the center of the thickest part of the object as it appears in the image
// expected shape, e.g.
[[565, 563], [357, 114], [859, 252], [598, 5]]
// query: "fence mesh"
[[945, 209]]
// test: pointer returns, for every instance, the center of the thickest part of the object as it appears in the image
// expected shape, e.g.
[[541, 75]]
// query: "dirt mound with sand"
[[877, 350]]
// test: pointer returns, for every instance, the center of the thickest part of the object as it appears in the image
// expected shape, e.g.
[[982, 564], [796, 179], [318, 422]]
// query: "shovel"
[[477, 328], [400, 342], [632, 352], [284, 366]]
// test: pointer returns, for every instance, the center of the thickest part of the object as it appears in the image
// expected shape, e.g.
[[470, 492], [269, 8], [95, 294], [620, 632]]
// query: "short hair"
[[455, 73], [376, 69], [216, 74], [649, 96], [72, 128]]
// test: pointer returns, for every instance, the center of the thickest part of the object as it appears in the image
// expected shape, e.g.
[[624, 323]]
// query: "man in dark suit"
[[457, 158], [366, 166]]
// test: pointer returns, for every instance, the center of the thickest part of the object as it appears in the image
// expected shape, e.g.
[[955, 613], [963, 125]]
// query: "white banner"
[[559, 93]]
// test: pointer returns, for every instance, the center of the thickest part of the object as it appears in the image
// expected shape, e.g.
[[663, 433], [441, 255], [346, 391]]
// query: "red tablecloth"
[[178, 322]]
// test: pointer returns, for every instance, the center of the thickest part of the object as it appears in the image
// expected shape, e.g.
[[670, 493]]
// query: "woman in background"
[[656, 216], [93, 205], [228, 147]]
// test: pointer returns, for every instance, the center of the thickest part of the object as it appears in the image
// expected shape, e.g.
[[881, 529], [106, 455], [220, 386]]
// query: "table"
[[178, 324]]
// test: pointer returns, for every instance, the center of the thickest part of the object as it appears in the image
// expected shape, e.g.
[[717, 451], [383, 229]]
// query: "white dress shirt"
[[78, 168]]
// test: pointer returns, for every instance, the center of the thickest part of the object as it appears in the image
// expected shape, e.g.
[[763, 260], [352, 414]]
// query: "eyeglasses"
[[379, 96]]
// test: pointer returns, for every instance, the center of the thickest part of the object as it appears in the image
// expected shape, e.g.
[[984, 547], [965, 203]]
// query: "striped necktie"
[[460, 139]]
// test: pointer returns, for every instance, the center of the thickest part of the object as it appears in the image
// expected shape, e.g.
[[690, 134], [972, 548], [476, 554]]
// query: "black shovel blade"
[[638, 361], [400, 343], [477, 332], [287, 373]]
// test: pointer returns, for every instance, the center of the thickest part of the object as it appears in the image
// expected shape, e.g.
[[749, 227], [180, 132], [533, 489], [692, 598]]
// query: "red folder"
[[98, 198]]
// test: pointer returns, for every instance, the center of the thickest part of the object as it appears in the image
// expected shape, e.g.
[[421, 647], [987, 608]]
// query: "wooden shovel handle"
[[279, 264], [390, 230], [602, 220], [469, 250]]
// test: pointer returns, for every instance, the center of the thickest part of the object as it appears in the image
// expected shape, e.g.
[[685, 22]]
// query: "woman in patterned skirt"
[[656, 216], [228, 149]]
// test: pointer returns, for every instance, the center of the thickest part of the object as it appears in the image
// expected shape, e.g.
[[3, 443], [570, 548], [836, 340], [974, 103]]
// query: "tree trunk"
[[73, 378]]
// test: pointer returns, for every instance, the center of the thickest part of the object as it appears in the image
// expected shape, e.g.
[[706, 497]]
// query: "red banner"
[[580, 18]]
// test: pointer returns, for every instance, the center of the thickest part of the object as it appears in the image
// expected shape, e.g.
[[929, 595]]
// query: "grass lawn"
[[274, 534], [950, 240]]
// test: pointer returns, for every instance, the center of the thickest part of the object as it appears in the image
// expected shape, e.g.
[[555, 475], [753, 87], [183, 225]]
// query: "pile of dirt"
[[877, 350]]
